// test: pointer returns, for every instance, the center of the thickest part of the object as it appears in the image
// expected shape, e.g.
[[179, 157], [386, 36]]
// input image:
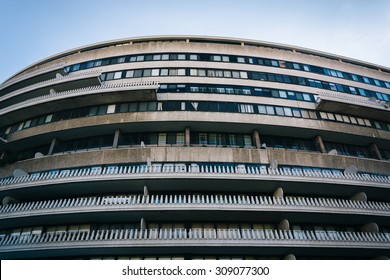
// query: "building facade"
[[189, 147]]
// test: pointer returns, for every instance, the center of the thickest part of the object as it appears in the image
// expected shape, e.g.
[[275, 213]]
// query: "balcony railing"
[[78, 92], [32, 74], [194, 236], [84, 74], [199, 202], [128, 171]]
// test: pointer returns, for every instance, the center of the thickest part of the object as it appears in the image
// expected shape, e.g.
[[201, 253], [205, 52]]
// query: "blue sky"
[[33, 30]]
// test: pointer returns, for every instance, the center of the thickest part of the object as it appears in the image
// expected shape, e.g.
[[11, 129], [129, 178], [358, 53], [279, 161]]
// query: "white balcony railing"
[[78, 92], [205, 202], [128, 171], [184, 236], [32, 74]]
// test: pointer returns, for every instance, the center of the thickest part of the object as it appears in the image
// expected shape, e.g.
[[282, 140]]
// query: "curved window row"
[[202, 106], [234, 74], [237, 90], [228, 59]]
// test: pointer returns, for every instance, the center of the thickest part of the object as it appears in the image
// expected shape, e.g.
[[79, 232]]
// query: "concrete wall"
[[196, 154]]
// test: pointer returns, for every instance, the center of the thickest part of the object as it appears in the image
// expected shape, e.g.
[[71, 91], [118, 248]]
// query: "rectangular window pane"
[[270, 110], [288, 111], [279, 111], [155, 72]]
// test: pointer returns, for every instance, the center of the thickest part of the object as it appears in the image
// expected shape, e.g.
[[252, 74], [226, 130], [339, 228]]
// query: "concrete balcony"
[[60, 83], [94, 179], [140, 91], [14, 215], [353, 105], [179, 239], [32, 77]]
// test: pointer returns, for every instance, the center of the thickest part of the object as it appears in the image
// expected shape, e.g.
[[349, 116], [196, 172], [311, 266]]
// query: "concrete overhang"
[[31, 79], [354, 105], [59, 84], [82, 97]]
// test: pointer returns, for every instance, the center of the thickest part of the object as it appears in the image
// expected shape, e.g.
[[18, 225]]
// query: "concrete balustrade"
[[205, 202], [180, 168]]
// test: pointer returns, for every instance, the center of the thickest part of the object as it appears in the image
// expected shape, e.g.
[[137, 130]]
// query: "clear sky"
[[34, 29]]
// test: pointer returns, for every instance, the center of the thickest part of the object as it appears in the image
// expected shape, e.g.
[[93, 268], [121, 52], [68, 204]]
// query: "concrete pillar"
[[359, 197], [256, 138], [375, 151], [116, 138], [284, 225], [54, 141], [290, 257], [320, 144], [279, 193], [143, 224], [188, 136], [370, 227], [146, 191]]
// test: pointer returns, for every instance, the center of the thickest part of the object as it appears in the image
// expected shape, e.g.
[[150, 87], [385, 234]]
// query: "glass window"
[[270, 110], [262, 109], [193, 72], [305, 114], [279, 111], [367, 122], [181, 56], [147, 72], [155, 72], [193, 57], [282, 94], [172, 72], [296, 112], [227, 74], [111, 109], [165, 57], [157, 57], [181, 72], [323, 115], [236, 74], [130, 74], [225, 59], [240, 59], [164, 72], [140, 58], [346, 119], [288, 111], [339, 117], [162, 138], [353, 120], [331, 116], [202, 72], [203, 138], [360, 121], [138, 73], [274, 63], [48, 118], [216, 58], [180, 138], [109, 76], [243, 75]]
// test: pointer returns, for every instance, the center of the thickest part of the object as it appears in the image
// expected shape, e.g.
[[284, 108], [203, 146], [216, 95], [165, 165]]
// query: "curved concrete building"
[[193, 147]]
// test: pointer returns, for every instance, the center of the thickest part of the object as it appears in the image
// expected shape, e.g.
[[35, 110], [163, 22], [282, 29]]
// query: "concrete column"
[[320, 144], [188, 136], [256, 138], [279, 192], [284, 225], [54, 141], [143, 224], [359, 197], [375, 151], [116, 138], [146, 191], [370, 227]]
